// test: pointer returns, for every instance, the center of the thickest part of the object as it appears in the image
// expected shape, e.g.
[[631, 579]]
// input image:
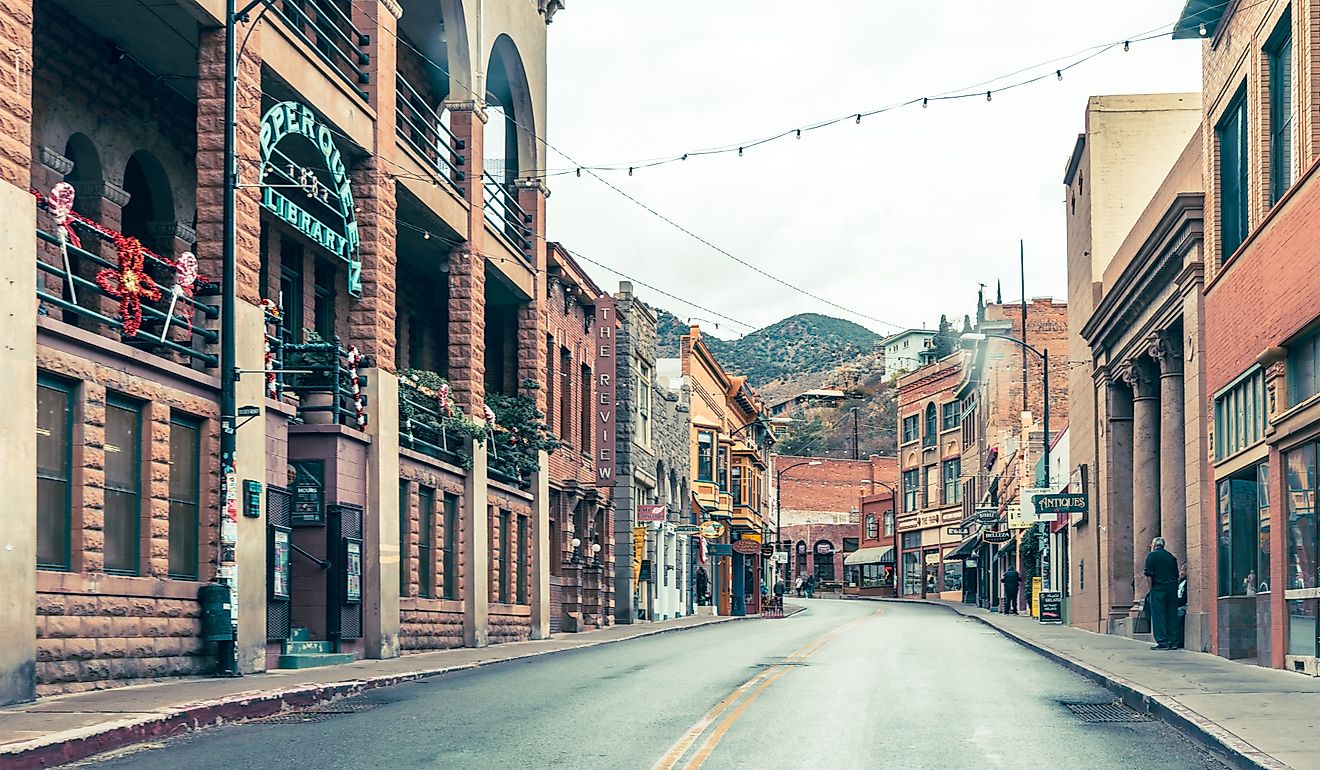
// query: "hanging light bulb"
[[925, 102], [1126, 46], [799, 133], [630, 170], [1059, 73], [579, 173], [859, 118], [1201, 30], [426, 236], [987, 95], [685, 156], [740, 152]]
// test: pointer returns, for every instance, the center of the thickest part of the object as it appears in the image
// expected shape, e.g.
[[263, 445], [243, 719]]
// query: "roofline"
[[907, 332], [574, 271], [1075, 160], [1211, 13]]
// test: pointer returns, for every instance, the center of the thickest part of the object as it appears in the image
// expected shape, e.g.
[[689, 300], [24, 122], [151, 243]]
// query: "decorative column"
[[467, 271], [1166, 349], [1115, 510], [1142, 376], [18, 359]]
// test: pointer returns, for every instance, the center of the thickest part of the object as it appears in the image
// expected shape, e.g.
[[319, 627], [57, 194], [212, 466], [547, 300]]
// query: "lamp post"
[[1044, 356], [779, 504]]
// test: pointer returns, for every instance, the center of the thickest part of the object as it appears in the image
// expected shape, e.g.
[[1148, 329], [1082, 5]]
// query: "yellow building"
[[730, 450]]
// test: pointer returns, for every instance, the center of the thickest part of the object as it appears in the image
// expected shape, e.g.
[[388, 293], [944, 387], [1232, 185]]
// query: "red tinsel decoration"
[[130, 284]]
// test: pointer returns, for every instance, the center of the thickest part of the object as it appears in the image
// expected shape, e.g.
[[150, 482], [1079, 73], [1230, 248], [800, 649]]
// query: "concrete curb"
[[72, 745], [1219, 741]]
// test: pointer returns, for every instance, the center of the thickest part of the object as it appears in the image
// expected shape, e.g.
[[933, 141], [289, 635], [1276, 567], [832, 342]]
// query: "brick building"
[[871, 569], [930, 482], [818, 511], [653, 570], [581, 516], [1002, 437], [379, 258], [1261, 414]]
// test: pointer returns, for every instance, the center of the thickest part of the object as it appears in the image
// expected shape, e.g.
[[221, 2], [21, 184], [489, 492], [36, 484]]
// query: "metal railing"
[[421, 428], [422, 129], [496, 469], [323, 382], [328, 30], [507, 217], [187, 336]]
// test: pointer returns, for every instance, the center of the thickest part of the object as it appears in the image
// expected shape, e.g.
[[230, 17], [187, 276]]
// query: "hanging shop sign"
[[687, 529], [712, 530], [746, 547], [323, 210], [996, 536], [1061, 502], [650, 513], [987, 515], [1016, 519], [603, 339]]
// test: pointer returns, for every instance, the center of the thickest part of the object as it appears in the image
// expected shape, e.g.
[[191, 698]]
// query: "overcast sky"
[[899, 218]]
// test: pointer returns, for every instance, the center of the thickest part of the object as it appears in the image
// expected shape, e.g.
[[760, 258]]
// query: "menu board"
[[308, 494], [1051, 607], [352, 571], [279, 578]]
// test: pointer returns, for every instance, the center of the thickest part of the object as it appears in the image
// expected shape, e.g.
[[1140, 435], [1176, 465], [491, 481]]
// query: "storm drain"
[[1105, 712], [319, 713]]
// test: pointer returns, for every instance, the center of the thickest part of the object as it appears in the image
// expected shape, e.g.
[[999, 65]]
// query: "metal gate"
[[279, 514], [345, 584]]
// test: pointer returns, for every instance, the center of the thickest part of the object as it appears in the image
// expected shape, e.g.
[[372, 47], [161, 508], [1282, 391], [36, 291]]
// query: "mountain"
[[794, 347]]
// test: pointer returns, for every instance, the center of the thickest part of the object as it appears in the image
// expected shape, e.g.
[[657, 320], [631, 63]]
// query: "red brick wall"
[[16, 97], [431, 623], [566, 324], [834, 485]]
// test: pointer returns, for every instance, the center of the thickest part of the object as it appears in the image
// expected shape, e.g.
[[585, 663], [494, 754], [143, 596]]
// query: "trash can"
[[217, 613]]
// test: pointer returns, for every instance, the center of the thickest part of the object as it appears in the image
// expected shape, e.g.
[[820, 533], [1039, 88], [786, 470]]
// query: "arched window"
[[932, 424], [149, 213], [872, 529], [824, 560]]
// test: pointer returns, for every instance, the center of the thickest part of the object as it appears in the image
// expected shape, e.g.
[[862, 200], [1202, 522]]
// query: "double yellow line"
[[744, 695]]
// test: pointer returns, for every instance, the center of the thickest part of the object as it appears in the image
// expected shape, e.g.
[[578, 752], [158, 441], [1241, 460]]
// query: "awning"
[[967, 549], [880, 554]]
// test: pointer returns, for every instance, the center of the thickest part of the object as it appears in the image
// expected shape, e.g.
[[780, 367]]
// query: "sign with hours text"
[[603, 341], [650, 513]]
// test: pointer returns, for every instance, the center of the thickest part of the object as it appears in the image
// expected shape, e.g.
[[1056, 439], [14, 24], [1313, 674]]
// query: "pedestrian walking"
[[810, 585], [1180, 626], [1012, 581], [1162, 569], [703, 586], [779, 594], [797, 585]]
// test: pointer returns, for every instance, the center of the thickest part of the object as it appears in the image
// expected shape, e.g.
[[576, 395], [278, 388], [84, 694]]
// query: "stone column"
[[1166, 349], [1115, 508], [467, 271], [1142, 376], [475, 543]]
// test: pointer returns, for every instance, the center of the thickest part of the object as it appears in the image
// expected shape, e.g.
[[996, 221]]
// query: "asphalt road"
[[845, 684]]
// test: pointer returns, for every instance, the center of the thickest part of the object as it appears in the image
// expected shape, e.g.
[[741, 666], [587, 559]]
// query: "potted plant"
[[317, 388]]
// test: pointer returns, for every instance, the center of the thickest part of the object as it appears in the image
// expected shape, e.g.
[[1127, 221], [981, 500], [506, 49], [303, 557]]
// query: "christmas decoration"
[[61, 206], [272, 383], [355, 361], [130, 284], [185, 276], [443, 399]]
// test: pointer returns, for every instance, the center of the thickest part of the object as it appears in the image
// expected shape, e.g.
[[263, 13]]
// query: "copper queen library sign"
[[603, 339]]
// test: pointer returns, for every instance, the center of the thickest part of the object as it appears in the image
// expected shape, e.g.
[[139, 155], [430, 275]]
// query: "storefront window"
[[1238, 516], [911, 563], [953, 576], [932, 576], [825, 561], [1302, 629], [1300, 477], [1263, 528]]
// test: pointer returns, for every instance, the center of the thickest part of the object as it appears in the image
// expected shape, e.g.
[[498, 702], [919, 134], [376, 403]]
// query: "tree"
[[943, 343], [967, 324], [804, 439]]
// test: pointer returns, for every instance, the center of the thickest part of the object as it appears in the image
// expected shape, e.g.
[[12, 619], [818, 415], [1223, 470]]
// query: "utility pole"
[[856, 435], [1022, 268]]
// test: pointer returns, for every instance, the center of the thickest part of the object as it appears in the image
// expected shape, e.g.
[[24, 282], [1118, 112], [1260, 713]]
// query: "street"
[[843, 684]]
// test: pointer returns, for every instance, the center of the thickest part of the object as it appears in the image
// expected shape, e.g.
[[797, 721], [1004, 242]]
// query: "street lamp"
[[1044, 356], [779, 503]]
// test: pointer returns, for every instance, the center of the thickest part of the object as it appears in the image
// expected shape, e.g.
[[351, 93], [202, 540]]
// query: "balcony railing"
[[322, 375], [505, 215], [84, 302], [328, 30], [421, 128], [422, 429]]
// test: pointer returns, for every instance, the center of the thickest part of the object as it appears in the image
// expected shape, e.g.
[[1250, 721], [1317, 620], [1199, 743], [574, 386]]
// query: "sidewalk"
[[1255, 717], [65, 728]]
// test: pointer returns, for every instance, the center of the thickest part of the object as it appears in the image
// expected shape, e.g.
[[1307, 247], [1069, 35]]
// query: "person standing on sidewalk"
[[1162, 569], [1180, 627], [1012, 581], [779, 594]]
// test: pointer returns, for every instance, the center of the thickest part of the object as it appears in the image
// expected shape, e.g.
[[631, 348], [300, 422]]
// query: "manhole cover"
[[1105, 712]]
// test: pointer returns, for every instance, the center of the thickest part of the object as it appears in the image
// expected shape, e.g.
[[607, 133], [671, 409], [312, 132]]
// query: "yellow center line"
[[752, 688]]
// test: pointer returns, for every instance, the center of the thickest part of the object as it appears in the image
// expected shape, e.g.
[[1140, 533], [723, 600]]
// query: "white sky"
[[899, 218]]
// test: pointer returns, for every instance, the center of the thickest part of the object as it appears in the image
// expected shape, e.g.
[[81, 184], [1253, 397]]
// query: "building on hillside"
[[930, 483], [818, 398], [817, 512], [871, 569], [653, 564], [1259, 348], [580, 328], [907, 350], [385, 276], [1119, 162], [1003, 439], [730, 450], [1149, 475]]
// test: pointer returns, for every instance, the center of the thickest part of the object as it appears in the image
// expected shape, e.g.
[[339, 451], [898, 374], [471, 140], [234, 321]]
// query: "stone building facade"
[[371, 513], [652, 468]]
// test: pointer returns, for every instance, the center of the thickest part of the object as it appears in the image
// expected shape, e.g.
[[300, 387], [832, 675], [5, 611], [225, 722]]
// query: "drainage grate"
[[1105, 712], [319, 713]]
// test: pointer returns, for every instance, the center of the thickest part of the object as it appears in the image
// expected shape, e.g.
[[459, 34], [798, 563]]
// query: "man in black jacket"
[[1011, 581], [1162, 569]]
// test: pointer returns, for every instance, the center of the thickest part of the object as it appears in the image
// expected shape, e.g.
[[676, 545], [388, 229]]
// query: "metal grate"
[[279, 506], [1105, 712]]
